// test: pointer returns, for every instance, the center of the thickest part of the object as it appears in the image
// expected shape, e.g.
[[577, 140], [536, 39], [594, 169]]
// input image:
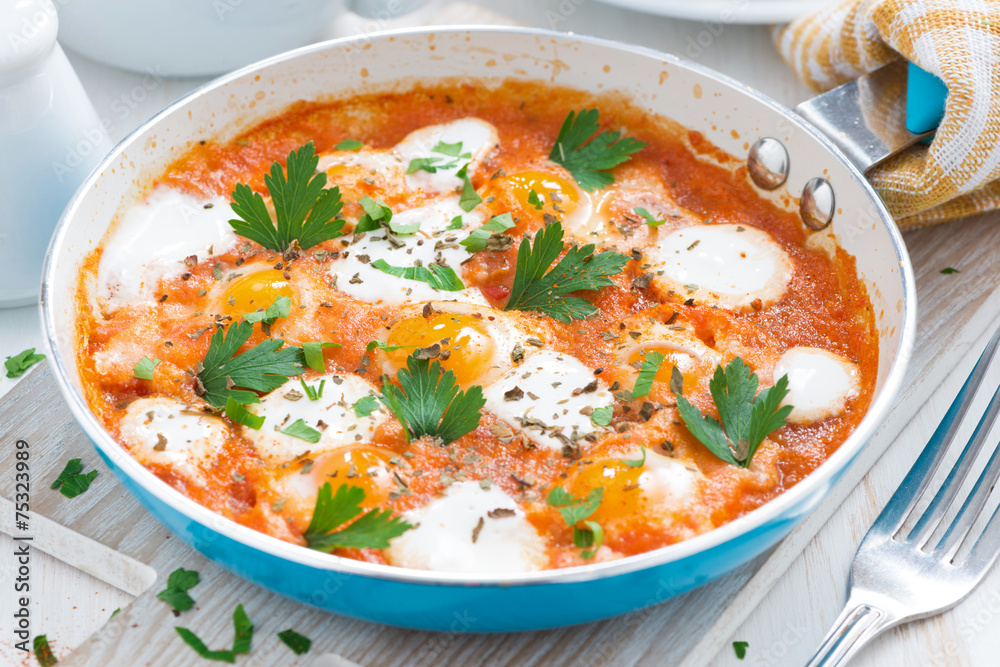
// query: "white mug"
[[50, 140]]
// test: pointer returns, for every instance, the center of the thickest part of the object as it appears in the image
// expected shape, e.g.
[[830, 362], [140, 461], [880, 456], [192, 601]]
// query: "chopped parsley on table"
[[179, 583], [243, 635], [741, 649], [43, 652], [72, 481], [293, 640], [19, 363]]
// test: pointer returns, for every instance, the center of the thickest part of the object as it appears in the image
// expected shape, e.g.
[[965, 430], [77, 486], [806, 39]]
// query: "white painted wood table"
[[785, 610]]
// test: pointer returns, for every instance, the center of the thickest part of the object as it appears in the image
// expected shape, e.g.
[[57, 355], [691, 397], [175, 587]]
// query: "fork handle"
[[855, 627]]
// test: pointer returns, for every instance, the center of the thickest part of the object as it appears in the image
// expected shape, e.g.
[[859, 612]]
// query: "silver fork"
[[898, 574]]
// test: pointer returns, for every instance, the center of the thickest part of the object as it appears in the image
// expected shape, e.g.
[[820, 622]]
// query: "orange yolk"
[[466, 338], [360, 465], [623, 496], [687, 365], [556, 194], [255, 291]]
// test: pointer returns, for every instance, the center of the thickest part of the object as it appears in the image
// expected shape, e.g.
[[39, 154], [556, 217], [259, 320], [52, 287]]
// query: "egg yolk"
[[360, 465], [555, 194], [255, 291], [685, 363], [467, 349], [623, 493]]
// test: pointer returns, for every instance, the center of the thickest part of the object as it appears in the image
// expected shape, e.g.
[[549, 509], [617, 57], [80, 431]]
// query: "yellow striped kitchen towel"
[[957, 40]]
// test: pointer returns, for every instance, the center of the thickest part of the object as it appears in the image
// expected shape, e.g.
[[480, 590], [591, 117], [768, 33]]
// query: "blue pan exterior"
[[465, 608]]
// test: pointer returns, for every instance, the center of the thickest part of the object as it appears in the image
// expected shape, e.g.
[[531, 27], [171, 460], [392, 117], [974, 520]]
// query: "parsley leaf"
[[948, 270], [43, 652], [429, 402], [373, 529], [349, 145], [590, 162], [71, 482], [262, 368], [478, 240], [636, 463], [577, 510], [602, 416], [535, 201], [469, 199], [240, 415], [299, 429], [579, 269], [741, 649], [304, 210], [647, 374], [747, 417], [365, 406], [282, 307], [19, 363], [243, 634], [372, 344], [648, 217], [312, 352], [456, 223], [144, 369], [437, 276], [178, 584], [293, 640], [313, 393], [376, 212]]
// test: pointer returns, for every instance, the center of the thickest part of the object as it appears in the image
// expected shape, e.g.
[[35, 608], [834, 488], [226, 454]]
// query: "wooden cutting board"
[[106, 533]]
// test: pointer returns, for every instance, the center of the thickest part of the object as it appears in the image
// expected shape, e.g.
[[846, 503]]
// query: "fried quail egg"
[[730, 266], [364, 466], [819, 383], [153, 238], [678, 344], [332, 415], [469, 529], [163, 431], [449, 146], [638, 484], [477, 343], [549, 398]]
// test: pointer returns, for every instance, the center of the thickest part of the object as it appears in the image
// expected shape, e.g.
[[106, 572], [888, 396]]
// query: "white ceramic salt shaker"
[[50, 140]]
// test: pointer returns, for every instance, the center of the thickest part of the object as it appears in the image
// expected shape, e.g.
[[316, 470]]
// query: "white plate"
[[726, 11]]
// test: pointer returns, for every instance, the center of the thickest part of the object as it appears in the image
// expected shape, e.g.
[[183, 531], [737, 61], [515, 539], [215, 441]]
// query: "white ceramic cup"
[[50, 139]]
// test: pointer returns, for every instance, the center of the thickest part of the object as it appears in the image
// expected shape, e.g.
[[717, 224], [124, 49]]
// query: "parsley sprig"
[[536, 288], [590, 162], [373, 529], [428, 402], [263, 368], [576, 511], [304, 210], [747, 417]]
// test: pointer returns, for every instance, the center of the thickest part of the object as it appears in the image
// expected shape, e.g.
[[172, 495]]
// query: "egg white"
[[152, 239], [553, 378], [163, 431], [730, 266], [335, 409], [442, 540], [819, 383], [478, 138]]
